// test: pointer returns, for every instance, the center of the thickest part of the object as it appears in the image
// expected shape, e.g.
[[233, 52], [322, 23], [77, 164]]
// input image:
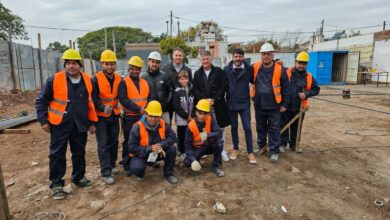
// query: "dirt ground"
[[340, 183]]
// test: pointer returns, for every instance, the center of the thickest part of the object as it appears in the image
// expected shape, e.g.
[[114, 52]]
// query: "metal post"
[[11, 58], [105, 38], [171, 24], [21, 76], [113, 42], [387, 77], [377, 82], [33, 63], [40, 59], [4, 209], [384, 25], [70, 44]]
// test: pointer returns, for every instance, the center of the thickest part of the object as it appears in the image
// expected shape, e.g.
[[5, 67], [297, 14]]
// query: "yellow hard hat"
[[154, 108], [203, 105], [71, 54], [303, 56], [108, 56], [135, 61]]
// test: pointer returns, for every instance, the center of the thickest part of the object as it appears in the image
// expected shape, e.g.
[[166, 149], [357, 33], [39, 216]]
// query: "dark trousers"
[[181, 133], [107, 132], [128, 123], [138, 164], [245, 115], [59, 137], [290, 134], [211, 148], [268, 122]]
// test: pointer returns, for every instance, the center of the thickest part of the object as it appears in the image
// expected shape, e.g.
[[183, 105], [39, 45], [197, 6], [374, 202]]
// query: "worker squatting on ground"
[[238, 101], [159, 83], [203, 137], [270, 96], [133, 95], [210, 83], [302, 86], [65, 109], [105, 97], [152, 139]]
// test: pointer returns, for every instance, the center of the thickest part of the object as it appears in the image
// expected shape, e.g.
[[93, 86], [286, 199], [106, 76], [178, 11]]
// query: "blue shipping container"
[[320, 66]]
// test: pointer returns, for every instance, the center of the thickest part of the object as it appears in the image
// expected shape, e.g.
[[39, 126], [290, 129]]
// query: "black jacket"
[[171, 71], [159, 88], [238, 93], [213, 87]]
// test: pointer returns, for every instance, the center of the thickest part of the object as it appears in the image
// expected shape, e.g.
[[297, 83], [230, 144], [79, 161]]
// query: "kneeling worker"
[[203, 137], [151, 139]]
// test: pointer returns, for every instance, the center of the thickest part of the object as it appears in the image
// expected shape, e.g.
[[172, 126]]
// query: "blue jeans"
[[211, 148], [245, 115], [268, 123]]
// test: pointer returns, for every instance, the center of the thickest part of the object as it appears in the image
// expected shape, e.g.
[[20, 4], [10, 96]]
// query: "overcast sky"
[[151, 15]]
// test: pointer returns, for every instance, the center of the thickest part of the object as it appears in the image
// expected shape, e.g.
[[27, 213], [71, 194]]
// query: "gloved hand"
[[107, 109], [203, 136]]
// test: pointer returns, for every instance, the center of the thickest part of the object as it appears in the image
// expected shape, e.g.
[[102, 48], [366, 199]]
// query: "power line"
[[56, 28]]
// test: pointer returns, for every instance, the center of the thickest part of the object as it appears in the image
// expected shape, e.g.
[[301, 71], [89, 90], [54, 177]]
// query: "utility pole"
[[171, 24], [105, 38], [178, 28], [384, 25], [322, 30], [74, 45], [167, 28], [314, 39], [40, 59], [113, 42], [70, 44]]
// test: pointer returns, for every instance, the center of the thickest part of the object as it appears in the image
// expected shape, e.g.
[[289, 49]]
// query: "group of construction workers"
[[144, 106]]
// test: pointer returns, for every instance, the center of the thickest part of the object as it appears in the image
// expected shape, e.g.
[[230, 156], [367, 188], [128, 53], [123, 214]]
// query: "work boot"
[[219, 172], [127, 173], [234, 154], [58, 193], [171, 179], [292, 147], [225, 156], [115, 171], [109, 180], [282, 148], [140, 179], [252, 158], [84, 183], [274, 158], [195, 166]]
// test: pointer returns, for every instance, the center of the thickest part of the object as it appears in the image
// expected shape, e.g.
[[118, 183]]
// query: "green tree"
[[57, 46], [11, 22], [168, 44], [93, 42], [254, 46]]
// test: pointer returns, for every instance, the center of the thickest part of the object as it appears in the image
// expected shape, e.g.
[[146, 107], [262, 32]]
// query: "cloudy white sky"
[[151, 15]]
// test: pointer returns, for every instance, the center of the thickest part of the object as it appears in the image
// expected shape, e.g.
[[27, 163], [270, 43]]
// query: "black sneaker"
[[171, 179], [58, 193], [127, 173], [84, 183]]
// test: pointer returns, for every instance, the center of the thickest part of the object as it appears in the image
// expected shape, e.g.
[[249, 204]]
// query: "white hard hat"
[[267, 47], [155, 56]]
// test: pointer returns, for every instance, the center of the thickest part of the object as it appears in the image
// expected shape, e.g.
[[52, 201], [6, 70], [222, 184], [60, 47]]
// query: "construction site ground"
[[343, 170]]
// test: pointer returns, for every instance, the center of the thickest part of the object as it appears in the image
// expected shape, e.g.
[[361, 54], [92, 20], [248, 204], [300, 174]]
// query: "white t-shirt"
[[207, 73]]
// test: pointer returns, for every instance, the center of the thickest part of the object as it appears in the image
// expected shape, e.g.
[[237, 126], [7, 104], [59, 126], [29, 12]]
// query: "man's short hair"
[[206, 53], [177, 49], [238, 51], [182, 74]]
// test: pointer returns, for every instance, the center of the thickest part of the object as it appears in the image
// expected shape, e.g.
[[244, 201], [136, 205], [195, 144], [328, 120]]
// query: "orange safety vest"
[[106, 96], [275, 80], [309, 81], [197, 141], [144, 135], [60, 98], [139, 98]]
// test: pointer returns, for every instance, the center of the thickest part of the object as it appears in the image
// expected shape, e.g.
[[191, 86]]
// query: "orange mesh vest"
[[197, 141], [309, 81], [106, 96], [60, 98], [275, 80], [144, 135], [139, 98]]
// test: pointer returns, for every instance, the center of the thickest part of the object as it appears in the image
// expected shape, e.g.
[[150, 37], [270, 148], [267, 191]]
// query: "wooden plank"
[[4, 209], [16, 131]]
